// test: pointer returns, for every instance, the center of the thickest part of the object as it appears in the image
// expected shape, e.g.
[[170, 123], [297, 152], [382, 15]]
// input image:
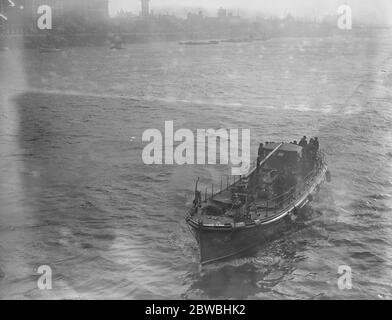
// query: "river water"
[[75, 194]]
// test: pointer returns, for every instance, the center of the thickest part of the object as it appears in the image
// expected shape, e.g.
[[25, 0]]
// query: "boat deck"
[[261, 210]]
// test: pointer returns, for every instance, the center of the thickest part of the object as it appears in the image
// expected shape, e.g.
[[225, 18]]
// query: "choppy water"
[[75, 195]]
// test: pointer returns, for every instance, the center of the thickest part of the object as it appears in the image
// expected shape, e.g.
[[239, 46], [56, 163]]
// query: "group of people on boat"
[[313, 143], [310, 149]]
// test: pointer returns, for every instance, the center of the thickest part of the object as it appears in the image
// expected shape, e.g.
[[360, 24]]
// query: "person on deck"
[[303, 143], [312, 151], [316, 144]]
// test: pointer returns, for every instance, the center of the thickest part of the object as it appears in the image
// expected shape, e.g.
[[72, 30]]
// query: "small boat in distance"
[[259, 206], [196, 43], [49, 50], [237, 40], [117, 43]]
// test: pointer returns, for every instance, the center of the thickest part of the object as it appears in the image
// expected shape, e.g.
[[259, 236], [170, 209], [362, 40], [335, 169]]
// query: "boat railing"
[[277, 202], [253, 167], [226, 183]]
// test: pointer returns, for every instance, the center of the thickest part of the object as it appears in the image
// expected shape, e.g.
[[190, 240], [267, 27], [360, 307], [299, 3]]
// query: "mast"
[[197, 183], [265, 159], [270, 154]]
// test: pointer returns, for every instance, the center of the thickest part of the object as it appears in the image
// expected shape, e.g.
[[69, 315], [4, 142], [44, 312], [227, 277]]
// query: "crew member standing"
[[303, 143]]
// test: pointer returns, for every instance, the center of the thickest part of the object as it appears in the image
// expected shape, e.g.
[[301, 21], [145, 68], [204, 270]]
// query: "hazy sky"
[[380, 10]]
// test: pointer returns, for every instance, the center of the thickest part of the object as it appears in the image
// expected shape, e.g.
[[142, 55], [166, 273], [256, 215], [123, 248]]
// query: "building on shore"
[[87, 8], [222, 13], [145, 13]]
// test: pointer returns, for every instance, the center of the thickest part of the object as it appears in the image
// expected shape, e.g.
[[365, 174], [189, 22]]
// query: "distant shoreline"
[[34, 41]]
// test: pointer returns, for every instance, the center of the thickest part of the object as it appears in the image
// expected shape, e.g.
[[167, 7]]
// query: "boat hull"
[[222, 242], [221, 245]]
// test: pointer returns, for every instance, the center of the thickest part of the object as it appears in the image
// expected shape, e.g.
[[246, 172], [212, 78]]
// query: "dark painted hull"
[[225, 244]]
